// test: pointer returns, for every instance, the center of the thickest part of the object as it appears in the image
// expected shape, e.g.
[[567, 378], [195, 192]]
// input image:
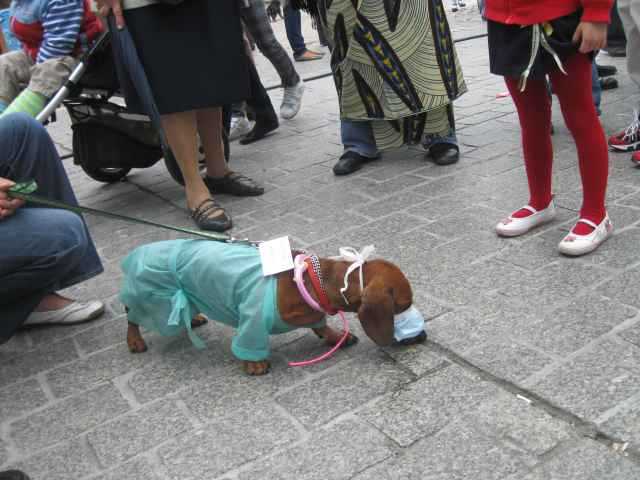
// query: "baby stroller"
[[108, 140]]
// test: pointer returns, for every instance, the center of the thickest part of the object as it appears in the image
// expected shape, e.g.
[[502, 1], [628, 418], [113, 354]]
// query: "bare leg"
[[180, 129], [210, 130]]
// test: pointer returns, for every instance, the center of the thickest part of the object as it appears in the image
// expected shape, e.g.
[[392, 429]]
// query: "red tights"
[[576, 102]]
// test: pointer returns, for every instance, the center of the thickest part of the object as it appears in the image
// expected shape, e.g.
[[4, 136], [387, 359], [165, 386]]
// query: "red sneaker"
[[629, 139], [635, 158]]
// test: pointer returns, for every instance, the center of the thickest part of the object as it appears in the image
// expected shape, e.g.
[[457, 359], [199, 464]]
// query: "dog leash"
[[25, 191]]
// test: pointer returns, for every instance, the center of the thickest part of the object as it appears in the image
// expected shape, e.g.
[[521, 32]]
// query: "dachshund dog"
[[386, 293]]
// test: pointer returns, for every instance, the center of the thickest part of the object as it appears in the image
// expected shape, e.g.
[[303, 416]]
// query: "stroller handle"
[[102, 42]]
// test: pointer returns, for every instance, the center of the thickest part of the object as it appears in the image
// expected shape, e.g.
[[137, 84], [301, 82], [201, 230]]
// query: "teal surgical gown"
[[167, 283]]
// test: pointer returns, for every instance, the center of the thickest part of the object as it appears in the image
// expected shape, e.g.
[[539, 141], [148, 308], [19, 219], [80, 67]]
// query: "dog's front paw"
[[136, 344], [256, 368]]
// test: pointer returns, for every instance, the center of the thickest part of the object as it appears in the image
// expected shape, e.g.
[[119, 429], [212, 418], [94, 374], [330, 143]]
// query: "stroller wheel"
[[106, 175]]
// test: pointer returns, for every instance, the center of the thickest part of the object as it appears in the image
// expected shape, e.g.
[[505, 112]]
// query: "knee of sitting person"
[[21, 124], [68, 237]]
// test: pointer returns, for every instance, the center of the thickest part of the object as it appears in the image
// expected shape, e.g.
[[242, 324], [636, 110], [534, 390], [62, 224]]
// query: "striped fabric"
[[61, 22]]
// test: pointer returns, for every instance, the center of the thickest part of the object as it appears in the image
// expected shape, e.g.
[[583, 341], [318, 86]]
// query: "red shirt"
[[529, 12]]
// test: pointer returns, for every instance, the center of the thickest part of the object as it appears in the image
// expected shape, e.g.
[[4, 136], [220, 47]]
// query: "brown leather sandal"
[[209, 215]]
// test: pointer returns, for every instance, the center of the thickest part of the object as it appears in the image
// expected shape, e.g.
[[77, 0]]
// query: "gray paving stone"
[[66, 461], [68, 419], [625, 426], [631, 334], [102, 336], [570, 328], [419, 359], [595, 381], [462, 330], [116, 442], [100, 367], [620, 250], [19, 398], [17, 367], [459, 452], [427, 405], [233, 390], [552, 284], [508, 360], [343, 389], [473, 219], [178, 366], [514, 420], [588, 460], [335, 453], [138, 469], [4, 454], [228, 443], [622, 288]]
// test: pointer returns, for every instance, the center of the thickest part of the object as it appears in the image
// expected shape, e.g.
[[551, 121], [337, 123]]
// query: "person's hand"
[[274, 10], [590, 36], [8, 205], [115, 6]]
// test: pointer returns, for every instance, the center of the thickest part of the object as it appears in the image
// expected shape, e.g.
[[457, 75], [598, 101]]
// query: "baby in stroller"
[[52, 34]]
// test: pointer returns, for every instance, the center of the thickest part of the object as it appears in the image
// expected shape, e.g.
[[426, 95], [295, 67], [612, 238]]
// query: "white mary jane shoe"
[[575, 245], [75, 312], [514, 227]]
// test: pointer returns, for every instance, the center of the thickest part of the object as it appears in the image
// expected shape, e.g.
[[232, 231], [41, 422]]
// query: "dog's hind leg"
[[198, 320], [135, 342], [332, 336]]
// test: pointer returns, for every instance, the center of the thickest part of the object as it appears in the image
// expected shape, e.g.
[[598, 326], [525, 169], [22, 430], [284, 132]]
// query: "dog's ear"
[[376, 311]]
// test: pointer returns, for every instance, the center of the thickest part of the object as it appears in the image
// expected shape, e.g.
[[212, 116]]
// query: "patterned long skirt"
[[394, 63]]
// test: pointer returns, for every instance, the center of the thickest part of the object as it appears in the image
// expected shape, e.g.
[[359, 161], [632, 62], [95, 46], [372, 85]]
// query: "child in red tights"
[[527, 41]]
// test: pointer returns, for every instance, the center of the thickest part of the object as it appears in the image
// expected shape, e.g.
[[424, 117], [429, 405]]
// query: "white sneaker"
[[461, 4], [75, 312], [575, 245], [514, 227], [292, 100], [240, 126]]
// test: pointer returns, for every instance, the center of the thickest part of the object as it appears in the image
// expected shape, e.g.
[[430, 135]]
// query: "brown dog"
[[386, 292]]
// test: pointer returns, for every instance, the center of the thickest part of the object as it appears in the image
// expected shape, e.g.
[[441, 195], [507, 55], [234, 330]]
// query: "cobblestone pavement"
[[532, 370]]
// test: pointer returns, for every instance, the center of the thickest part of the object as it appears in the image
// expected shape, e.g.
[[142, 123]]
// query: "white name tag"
[[276, 256]]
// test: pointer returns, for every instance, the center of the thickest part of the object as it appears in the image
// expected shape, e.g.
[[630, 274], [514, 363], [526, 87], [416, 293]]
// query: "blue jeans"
[[43, 250], [293, 26], [596, 88], [358, 137]]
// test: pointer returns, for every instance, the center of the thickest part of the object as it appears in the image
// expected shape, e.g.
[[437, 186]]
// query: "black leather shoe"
[[606, 70], [260, 130], [205, 220], [234, 183], [444, 153], [350, 162], [608, 83]]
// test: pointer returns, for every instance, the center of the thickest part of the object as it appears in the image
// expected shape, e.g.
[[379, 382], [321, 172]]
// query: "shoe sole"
[[626, 148], [519, 234], [580, 253]]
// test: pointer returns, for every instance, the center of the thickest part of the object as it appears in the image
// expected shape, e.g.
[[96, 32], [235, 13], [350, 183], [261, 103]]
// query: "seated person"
[[43, 250], [53, 33]]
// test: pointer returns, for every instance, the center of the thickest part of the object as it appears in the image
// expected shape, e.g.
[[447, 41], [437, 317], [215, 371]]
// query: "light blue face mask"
[[408, 324]]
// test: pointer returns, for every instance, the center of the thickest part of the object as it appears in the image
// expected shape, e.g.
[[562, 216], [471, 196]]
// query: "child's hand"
[[590, 36]]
